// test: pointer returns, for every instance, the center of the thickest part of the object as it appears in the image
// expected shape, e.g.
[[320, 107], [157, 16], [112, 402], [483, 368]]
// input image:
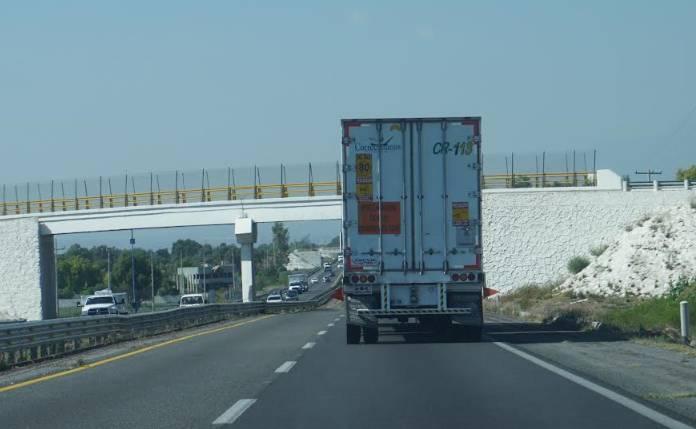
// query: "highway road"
[[296, 371]]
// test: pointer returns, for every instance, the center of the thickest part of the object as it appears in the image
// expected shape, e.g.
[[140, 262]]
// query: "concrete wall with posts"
[[530, 234]]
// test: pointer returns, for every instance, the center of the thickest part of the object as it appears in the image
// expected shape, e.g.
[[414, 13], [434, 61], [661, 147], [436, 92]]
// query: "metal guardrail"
[[34, 341], [661, 184]]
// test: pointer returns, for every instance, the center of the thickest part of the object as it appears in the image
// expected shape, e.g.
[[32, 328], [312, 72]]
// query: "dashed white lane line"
[[286, 367], [609, 394], [233, 413], [308, 346], [321, 332], [330, 325], [337, 319]]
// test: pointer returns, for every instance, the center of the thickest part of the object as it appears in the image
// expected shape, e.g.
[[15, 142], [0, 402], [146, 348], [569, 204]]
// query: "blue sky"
[[100, 88]]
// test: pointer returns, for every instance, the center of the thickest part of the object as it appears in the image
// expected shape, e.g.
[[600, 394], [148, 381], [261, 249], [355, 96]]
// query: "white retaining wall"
[[20, 271], [529, 235]]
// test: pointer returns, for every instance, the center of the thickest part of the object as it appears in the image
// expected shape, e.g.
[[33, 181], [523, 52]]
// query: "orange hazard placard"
[[368, 217]]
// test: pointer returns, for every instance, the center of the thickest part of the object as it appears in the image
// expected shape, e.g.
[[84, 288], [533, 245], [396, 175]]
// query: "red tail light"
[[472, 277], [363, 278], [371, 278], [354, 279], [455, 277]]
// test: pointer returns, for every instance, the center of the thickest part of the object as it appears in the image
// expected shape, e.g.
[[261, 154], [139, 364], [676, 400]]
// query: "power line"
[[682, 123]]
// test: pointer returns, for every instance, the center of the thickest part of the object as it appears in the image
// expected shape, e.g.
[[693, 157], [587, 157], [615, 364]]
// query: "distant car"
[[296, 286], [191, 300], [314, 280], [326, 278], [274, 298], [104, 302], [292, 295], [305, 287], [339, 266]]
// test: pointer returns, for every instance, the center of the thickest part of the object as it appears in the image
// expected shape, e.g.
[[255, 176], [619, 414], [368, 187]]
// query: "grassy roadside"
[[630, 316]]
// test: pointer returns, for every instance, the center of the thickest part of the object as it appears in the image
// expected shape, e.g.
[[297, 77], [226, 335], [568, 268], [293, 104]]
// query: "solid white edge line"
[[308, 346], [286, 367], [609, 394], [233, 413], [330, 324], [321, 332]]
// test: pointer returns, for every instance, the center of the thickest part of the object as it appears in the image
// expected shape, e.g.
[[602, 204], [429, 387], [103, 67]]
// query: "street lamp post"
[[205, 288], [132, 244], [108, 268], [152, 280]]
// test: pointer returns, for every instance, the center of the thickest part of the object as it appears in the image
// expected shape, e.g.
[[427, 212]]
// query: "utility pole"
[[152, 280], [55, 272], [205, 288], [132, 244], [650, 173], [108, 268]]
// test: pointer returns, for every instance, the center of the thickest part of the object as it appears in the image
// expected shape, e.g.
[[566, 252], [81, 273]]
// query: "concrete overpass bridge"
[[27, 260], [28, 226]]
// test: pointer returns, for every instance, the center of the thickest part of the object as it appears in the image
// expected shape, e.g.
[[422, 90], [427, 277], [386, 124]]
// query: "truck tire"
[[352, 334], [370, 335], [474, 333]]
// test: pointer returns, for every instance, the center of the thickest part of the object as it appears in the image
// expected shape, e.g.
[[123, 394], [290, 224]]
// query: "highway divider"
[[27, 342]]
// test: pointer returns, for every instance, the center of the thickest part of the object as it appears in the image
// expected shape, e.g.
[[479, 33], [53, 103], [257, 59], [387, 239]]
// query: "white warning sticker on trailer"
[[465, 236], [364, 262]]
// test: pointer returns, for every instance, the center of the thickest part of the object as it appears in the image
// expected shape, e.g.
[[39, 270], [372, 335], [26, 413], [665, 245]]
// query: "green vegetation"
[[82, 270], [655, 315], [687, 173], [644, 317], [597, 251], [577, 264]]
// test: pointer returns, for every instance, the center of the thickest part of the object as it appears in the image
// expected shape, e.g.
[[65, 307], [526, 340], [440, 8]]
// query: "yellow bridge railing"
[[260, 191]]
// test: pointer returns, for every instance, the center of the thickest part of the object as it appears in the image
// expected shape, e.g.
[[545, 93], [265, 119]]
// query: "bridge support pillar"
[[27, 271], [245, 231]]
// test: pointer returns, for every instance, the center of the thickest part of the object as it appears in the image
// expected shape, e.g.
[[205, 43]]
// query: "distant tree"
[[335, 242], [305, 243], [687, 173], [281, 244]]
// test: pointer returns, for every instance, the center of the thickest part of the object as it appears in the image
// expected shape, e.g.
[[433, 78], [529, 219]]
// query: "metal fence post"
[[684, 317], [176, 187], [543, 169], [310, 185]]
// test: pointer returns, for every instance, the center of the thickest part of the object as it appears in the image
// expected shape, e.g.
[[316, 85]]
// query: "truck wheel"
[[370, 335], [352, 334], [474, 333]]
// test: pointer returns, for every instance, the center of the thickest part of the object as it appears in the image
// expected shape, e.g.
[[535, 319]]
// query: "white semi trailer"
[[412, 225]]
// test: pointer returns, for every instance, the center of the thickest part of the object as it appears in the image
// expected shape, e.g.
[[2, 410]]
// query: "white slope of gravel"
[[645, 261]]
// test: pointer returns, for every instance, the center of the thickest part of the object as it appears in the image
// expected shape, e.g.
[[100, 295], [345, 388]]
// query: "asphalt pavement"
[[296, 371]]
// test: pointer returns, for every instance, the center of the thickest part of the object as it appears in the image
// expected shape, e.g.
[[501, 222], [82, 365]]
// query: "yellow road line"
[[125, 355]]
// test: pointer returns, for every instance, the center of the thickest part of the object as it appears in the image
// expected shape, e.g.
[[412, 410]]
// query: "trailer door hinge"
[[474, 166], [347, 168], [347, 140]]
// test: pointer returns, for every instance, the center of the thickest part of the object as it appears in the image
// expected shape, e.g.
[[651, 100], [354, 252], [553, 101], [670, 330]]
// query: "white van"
[[105, 302], [191, 300]]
